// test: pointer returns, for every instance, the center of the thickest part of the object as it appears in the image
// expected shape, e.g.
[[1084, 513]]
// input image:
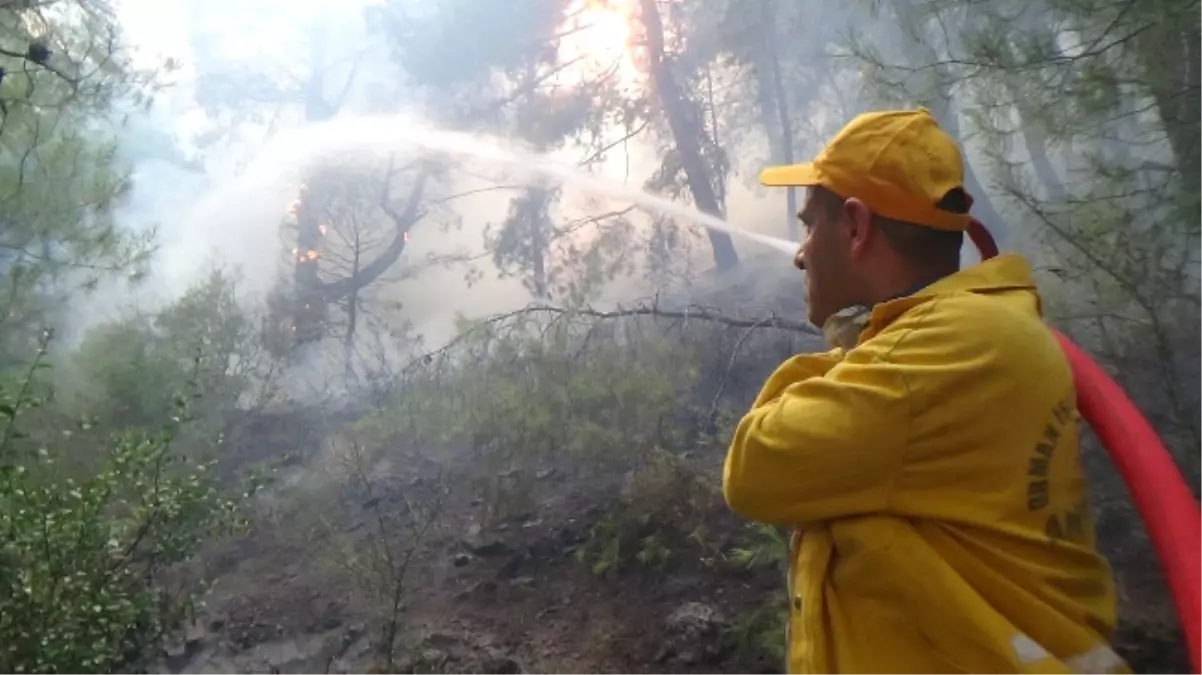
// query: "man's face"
[[825, 257]]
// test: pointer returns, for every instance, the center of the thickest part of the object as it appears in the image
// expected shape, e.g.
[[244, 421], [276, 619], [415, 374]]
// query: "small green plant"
[[617, 542], [379, 562], [610, 549], [603, 549], [653, 553], [758, 637], [84, 562], [661, 513], [765, 546]]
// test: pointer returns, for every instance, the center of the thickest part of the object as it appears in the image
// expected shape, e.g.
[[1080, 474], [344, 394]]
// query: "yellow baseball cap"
[[898, 162]]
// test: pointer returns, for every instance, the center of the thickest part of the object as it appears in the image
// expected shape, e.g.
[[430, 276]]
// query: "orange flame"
[[311, 254], [406, 236]]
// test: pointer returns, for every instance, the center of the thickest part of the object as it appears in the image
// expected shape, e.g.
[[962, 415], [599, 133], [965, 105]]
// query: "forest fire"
[[598, 39]]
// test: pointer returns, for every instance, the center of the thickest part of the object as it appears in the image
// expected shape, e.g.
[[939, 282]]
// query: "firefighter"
[[929, 462]]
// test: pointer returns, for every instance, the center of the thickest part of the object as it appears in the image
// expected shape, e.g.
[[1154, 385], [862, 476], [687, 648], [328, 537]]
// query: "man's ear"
[[859, 223]]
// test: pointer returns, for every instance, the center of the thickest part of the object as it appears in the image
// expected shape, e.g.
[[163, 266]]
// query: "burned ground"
[[518, 595]]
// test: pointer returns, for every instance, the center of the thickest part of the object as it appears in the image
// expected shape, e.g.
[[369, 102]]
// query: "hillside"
[[510, 545]]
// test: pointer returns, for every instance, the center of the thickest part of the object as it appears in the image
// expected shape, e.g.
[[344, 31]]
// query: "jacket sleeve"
[[796, 369], [827, 446]]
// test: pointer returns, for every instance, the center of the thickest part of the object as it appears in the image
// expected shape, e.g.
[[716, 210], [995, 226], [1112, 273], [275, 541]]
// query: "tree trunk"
[[1032, 22], [920, 54], [686, 132], [783, 119], [352, 300], [539, 224], [309, 312], [308, 294], [1169, 52], [1037, 146]]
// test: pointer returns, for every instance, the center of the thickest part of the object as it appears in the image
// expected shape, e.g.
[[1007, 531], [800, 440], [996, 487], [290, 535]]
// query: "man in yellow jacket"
[[929, 463]]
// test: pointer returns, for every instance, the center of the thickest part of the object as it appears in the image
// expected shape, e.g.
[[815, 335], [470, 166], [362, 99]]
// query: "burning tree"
[[349, 231]]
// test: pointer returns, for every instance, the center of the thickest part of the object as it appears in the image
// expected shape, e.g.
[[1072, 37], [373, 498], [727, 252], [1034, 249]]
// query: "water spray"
[[372, 133]]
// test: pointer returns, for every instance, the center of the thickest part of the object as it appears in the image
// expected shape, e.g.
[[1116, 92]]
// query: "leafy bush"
[[85, 564], [127, 370], [663, 510], [758, 637], [523, 396], [766, 546]]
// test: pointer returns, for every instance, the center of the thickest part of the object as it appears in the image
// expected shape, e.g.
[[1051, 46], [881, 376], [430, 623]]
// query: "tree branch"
[[689, 313]]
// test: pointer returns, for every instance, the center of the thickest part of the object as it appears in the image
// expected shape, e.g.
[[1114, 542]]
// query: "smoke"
[[230, 213]]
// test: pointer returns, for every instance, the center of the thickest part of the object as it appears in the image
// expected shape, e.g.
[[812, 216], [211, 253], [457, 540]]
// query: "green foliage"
[[558, 259], [60, 177], [618, 542], [85, 564], [127, 369], [58, 222], [520, 392], [758, 636], [526, 397], [660, 517], [766, 546]]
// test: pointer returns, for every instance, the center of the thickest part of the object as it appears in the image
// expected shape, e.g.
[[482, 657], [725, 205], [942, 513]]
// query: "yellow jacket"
[[933, 476]]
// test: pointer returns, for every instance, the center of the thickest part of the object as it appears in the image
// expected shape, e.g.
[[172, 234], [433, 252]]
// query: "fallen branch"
[[689, 313]]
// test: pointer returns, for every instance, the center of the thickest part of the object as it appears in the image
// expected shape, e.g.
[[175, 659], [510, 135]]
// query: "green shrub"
[[85, 564], [524, 396], [662, 513], [764, 546], [126, 371], [758, 637]]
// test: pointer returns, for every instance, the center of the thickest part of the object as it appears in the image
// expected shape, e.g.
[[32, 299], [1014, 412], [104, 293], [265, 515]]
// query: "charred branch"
[[403, 220]]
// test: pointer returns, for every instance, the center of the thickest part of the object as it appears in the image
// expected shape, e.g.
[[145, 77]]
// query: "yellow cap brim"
[[792, 175]]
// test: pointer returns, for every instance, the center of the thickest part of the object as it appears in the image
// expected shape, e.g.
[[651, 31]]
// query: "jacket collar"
[[1007, 272]]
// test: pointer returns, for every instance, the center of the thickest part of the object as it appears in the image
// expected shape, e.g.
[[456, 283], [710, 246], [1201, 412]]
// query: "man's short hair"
[[921, 246]]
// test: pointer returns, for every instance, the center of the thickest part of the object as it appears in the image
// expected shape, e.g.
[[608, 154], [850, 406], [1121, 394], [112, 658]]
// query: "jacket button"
[[797, 602]]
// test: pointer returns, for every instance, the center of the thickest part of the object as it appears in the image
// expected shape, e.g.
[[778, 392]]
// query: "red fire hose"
[[1164, 501]]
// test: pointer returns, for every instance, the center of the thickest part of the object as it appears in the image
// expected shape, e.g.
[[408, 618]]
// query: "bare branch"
[[690, 313]]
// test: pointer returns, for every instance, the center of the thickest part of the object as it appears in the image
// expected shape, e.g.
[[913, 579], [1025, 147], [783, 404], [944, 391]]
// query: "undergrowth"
[[607, 407], [87, 563]]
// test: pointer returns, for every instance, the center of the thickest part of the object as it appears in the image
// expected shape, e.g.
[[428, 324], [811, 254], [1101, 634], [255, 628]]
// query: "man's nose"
[[798, 260]]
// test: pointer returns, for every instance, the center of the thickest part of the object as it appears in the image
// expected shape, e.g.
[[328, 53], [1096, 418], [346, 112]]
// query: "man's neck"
[[913, 284]]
